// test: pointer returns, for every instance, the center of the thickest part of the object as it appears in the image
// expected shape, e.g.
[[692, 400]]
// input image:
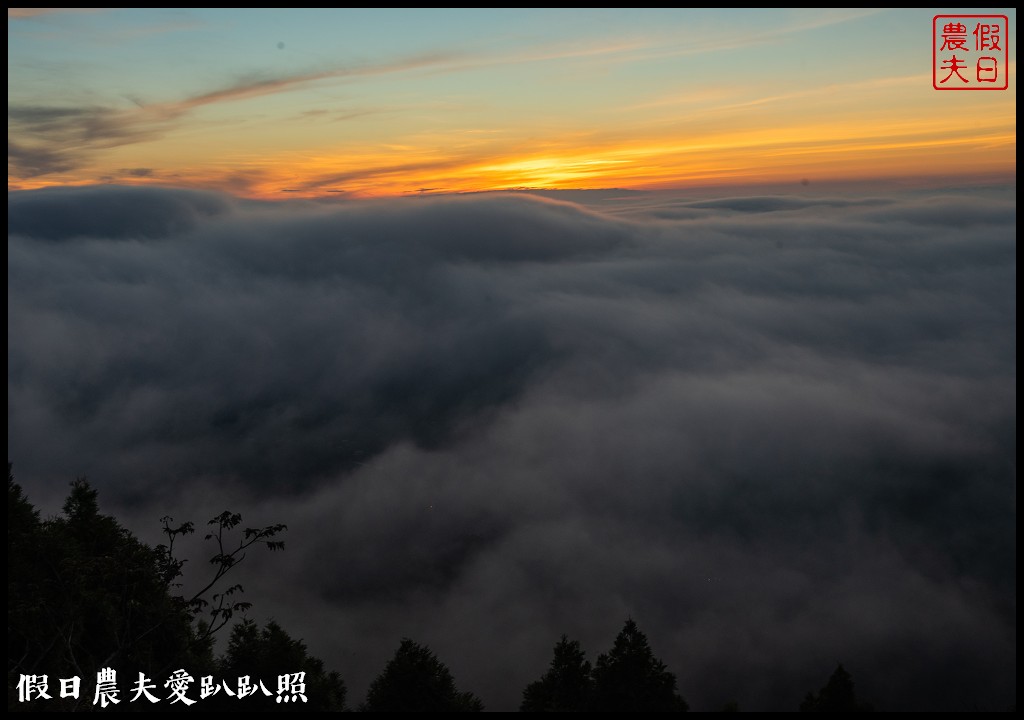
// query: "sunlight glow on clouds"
[[261, 102]]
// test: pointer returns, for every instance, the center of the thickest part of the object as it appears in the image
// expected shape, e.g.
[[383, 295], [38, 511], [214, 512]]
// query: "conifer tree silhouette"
[[837, 696], [416, 681], [567, 686], [630, 679]]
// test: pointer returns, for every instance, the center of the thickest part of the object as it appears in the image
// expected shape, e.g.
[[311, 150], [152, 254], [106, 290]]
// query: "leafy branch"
[[221, 606]]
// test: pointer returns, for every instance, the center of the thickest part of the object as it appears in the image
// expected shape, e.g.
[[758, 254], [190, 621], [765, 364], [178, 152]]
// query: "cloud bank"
[[778, 432]]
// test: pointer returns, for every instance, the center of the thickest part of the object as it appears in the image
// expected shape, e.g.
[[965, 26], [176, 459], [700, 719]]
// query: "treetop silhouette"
[[85, 595], [630, 679], [414, 680], [567, 686], [626, 679], [837, 696]]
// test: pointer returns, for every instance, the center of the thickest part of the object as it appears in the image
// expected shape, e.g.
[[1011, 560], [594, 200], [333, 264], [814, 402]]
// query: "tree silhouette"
[[214, 614], [630, 679], [267, 655], [87, 595], [416, 681], [566, 686], [837, 696]]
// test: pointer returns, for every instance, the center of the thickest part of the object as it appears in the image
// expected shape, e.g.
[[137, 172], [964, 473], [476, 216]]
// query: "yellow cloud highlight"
[[830, 133], [838, 151], [842, 150]]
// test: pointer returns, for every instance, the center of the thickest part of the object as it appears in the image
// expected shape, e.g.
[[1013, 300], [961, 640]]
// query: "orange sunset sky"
[[264, 103]]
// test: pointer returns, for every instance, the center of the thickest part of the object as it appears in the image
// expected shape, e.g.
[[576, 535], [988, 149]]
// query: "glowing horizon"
[[378, 103]]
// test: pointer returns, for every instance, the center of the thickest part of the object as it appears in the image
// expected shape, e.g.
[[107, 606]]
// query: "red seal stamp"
[[970, 52]]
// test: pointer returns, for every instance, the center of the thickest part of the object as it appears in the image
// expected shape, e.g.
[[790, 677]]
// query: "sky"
[[730, 349], [391, 102]]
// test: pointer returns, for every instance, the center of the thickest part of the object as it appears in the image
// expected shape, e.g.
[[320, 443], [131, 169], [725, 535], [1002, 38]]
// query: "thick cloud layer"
[[778, 432]]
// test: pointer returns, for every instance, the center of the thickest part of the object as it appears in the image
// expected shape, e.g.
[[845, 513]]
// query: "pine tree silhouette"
[[631, 679], [416, 681], [567, 685], [837, 696]]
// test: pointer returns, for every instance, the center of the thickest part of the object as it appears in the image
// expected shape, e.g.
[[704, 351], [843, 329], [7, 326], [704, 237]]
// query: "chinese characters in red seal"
[[970, 52]]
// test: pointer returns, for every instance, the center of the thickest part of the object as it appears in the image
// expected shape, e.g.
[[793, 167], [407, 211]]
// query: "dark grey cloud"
[[774, 203], [44, 139], [48, 139], [34, 160], [779, 432], [109, 213]]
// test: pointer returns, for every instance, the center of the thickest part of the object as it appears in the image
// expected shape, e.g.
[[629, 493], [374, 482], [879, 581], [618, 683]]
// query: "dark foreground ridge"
[[89, 601]]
